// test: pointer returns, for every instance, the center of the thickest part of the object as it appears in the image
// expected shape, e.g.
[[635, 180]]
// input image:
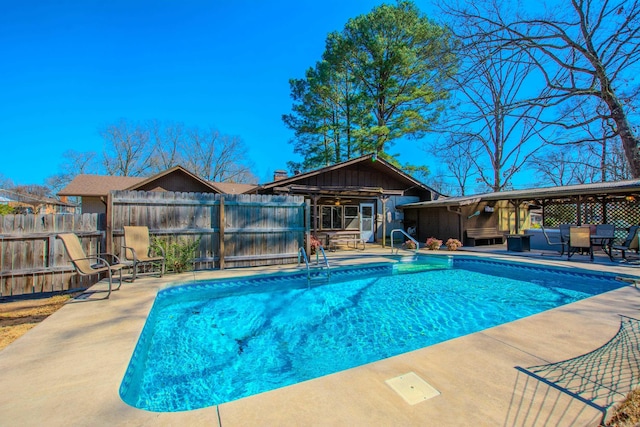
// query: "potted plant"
[[433, 243], [453, 244], [314, 243], [409, 244]]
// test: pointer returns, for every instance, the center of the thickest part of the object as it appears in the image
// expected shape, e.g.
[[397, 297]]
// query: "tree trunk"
[[629, 140]]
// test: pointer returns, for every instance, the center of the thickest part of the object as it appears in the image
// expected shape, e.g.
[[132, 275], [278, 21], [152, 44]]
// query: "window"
[[331, 217], [339, 217], [351, 219]]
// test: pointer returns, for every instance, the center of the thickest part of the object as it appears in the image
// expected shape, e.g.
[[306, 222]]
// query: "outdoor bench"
[[345, 238], [491, 235]]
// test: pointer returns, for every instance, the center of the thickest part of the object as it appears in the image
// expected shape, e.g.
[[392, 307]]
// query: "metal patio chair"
[[630, 243], [561, 243], [89, 265], [579, 240], [138, 252]]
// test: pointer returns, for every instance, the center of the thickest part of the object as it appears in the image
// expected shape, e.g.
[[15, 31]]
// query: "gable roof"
[[176, 170], [372, 160], [98, 185]]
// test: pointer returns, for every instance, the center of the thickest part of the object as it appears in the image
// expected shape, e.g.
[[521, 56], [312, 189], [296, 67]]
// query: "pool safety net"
[[601, 377]]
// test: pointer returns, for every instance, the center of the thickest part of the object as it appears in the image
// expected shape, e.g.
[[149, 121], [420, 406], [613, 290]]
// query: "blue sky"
[[72, 67]]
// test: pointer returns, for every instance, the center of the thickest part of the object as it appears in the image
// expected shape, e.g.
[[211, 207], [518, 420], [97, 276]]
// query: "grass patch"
[[18, 317], [627, 413]]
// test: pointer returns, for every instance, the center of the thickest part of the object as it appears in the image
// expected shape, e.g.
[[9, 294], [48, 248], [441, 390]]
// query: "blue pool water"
[[210, 343]]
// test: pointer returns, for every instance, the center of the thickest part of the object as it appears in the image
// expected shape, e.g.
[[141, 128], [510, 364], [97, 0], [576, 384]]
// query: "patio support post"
[[384, 221], [579, 210], [221, 239], [307, 222], [604, 219], [316, 215]]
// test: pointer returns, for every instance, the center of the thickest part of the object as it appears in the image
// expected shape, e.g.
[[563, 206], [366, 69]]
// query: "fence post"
[[109, 224], [221, 239]]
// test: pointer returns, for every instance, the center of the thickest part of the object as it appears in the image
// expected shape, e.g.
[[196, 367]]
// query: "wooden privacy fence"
[[32, 260], [234, 230]]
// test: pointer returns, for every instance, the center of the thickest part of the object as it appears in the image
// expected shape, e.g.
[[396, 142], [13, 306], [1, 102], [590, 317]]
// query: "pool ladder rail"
[[323, 269], [397, 249]]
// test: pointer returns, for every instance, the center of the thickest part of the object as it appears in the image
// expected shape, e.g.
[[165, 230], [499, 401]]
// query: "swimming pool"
[[208, 343]]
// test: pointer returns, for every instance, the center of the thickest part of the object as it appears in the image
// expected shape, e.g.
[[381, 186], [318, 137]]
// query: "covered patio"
[[521, 211]]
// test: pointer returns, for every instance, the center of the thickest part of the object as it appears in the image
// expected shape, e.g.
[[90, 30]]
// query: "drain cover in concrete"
[[412, 388]]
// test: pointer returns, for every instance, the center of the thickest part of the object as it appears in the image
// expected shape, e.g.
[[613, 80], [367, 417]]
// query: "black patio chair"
[[561, 243], [630, 243]]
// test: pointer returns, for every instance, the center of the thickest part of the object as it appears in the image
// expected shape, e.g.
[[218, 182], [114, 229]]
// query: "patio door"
[[367, 222]]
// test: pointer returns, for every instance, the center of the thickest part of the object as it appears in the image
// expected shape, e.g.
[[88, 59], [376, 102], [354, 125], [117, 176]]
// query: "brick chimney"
[[279, 174]]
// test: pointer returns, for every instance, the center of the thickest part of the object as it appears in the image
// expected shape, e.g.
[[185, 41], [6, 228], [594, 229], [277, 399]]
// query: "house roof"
[[98, 185], [377, 163], [599, 189], [8, 196], [173, 170], [101, 185], [233, 187]]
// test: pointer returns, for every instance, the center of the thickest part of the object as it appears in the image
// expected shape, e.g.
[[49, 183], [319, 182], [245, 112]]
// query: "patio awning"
[[338, 191], [540, 195]]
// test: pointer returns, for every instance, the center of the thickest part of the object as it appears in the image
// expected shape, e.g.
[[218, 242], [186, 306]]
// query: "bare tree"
[[127, 151], [492, 117], [581, 49], [5, 182], [217, 157], [597, 156], [168, 140], [75, 163], [457, 167], [143, 149]]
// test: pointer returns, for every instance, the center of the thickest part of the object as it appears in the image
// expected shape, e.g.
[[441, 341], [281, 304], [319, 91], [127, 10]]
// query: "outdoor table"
[[519, 242]]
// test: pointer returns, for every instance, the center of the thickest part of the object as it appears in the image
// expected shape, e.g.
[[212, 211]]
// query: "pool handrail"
[[326, 261], [400, 230], [302, 254]]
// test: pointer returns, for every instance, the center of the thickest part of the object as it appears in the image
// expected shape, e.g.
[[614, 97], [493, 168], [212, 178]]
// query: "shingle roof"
[[593, 189], [101, 185], [233, 188], [98, 185], [379, 163]]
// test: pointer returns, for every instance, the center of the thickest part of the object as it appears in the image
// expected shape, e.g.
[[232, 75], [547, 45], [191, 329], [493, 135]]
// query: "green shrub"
[[6, 210], [179, 255]]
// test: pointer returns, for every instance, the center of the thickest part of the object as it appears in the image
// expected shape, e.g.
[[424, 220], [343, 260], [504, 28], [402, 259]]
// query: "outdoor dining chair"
[[579, 240], [562, 243], [88, 265], [139, 253], [564, 232], [630, 242]]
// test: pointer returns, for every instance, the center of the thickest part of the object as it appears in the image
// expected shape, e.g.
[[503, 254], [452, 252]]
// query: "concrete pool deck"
[[67, 370]]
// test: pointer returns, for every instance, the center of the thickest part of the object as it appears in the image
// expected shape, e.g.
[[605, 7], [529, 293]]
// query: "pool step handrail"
[[302, 255], [401, 231]]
